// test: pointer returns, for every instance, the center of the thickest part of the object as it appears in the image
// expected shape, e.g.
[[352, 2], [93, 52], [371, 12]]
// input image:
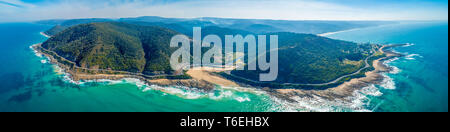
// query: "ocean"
[[30, 83], [420, 80]]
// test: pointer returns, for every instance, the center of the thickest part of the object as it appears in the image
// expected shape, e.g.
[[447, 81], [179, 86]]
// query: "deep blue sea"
[[421, 80], [29, 83]]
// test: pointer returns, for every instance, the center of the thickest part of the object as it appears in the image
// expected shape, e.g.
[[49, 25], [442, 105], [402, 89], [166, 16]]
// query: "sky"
[[32, 10]]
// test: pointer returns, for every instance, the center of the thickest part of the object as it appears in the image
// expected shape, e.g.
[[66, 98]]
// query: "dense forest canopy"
[[116, 46]]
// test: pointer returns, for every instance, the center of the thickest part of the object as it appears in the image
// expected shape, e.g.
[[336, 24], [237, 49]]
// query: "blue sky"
[[30, 10]]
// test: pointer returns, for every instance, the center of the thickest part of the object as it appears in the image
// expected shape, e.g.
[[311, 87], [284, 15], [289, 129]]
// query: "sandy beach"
[[45, 35], [206, 74]]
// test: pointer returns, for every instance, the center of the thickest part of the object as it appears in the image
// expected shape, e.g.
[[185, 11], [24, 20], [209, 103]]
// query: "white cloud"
[[17, 3]]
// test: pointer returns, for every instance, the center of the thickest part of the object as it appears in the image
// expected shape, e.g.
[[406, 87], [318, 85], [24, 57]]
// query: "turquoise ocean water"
[[420, 82], [29, 83]]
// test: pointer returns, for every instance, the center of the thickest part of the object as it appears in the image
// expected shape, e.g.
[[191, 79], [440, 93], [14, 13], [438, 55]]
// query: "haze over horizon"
[[32, 10]]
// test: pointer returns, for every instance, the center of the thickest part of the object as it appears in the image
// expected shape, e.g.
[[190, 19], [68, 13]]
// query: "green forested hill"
[[116, 46], [310, 59]]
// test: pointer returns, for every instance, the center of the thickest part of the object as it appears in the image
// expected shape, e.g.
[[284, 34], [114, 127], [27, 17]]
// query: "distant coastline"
[[45, 35]]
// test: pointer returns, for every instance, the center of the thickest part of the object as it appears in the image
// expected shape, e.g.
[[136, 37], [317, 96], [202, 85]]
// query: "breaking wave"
[[36, 52], [413, 56], [388, 82], [358, 102], [193, 93], [409, 45], [394, 69]]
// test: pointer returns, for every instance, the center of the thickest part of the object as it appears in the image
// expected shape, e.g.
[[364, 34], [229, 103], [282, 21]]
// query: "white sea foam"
[[246, 90], [243, 99], [36, 52], [413, 56], [409, 44], [222, 94], [371, 90], [391, 60], [67, 78], [40, 55], [318, 104], [357, 102], [218, 94], [182, 92], [395, 70], [388, 82], [137, 82], [193, 93]]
